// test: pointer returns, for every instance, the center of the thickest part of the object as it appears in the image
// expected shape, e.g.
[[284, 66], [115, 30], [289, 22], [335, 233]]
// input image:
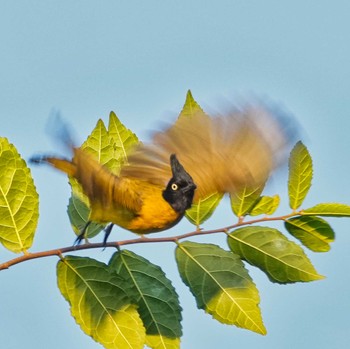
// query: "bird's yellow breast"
[[156, 215], [151, 214]]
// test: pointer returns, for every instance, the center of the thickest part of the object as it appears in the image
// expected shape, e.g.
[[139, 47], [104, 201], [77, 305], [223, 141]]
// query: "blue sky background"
[[139, 58]]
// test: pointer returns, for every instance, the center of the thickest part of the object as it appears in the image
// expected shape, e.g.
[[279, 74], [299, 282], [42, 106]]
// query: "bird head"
[[180, 189]]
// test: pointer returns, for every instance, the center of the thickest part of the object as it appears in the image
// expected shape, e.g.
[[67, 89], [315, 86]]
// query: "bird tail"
[[61, 164], [60, 131]]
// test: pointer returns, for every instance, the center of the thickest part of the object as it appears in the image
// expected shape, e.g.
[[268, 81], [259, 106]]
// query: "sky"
[[139, 58]]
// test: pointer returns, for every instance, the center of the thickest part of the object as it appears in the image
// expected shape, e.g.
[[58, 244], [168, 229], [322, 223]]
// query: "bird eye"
[[174, 186]]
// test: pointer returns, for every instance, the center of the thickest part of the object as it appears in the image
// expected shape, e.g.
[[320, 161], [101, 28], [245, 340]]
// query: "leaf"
[[220, 284], [19, 201], [203, 209], [244, 200], [314, 232], [157, 300], [282, 260], [100, 303], [191, 107], [98, 144], [78, 213], [122, 139], [265, 205], [331, 209], [300, 175]]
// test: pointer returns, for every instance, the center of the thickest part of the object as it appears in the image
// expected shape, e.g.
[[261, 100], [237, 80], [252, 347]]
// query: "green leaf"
[[157, 300], [245, 199], [100, 303], [203, 209], [220, 284], [98, 145], [122, 139], [331, 209], [265, 205], [19, 201], [314, 232], [300, 175], [78, 213], [191, 107], [282, 260]]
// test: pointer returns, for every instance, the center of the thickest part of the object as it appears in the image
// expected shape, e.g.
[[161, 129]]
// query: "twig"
[[115, 244]]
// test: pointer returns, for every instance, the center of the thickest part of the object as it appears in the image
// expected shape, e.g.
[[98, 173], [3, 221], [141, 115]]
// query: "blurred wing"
[[222, 153], [103, 188]]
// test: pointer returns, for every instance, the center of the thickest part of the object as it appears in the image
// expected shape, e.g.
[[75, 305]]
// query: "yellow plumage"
[[218, 154], [222, 153]]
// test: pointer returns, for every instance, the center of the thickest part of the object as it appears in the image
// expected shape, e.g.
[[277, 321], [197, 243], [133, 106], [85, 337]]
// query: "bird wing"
[[104, 189], [108, 194], [222, 153]]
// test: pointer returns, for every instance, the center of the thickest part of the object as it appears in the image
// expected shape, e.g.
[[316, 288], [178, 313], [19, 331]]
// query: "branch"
[[142, 239]]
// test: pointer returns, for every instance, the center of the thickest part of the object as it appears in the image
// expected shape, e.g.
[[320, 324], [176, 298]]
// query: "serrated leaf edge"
[[97, 298], [145, 302], [223, 289], [316, 276]]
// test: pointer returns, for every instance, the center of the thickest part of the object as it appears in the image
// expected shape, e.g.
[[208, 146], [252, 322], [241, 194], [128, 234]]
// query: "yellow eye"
[[174, 186]]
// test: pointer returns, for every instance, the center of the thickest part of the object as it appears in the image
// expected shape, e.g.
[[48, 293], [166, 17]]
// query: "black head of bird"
[[179, 192]]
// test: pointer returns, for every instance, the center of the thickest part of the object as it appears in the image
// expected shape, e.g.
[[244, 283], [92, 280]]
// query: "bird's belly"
[[154, 217]]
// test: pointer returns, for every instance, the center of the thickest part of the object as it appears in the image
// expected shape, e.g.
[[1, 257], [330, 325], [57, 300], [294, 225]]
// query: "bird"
[[183, 163]]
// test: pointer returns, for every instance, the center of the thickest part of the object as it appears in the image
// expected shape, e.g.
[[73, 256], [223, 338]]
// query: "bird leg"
[[81, 235], [108, 230]]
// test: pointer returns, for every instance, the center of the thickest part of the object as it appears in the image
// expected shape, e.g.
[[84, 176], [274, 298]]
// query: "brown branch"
[[142, 239]]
